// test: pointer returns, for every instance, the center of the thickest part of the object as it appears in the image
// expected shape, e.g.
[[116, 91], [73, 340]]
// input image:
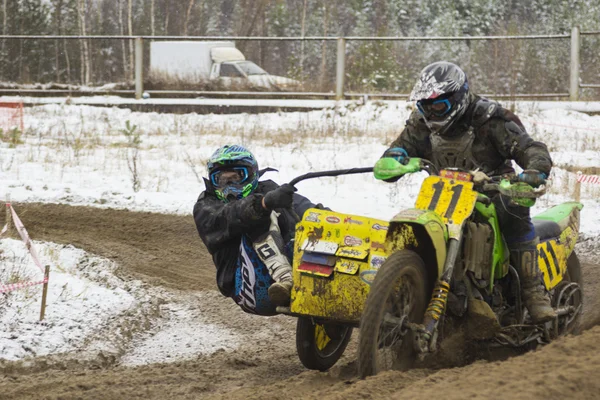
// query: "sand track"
[[165, 250]]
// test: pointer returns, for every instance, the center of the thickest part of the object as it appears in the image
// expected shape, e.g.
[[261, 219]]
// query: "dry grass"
[[76, 139], [14, 270]]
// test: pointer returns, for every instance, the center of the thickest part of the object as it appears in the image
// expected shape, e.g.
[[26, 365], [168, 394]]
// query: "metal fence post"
[[139, 67], [574, 83], [340, 68]]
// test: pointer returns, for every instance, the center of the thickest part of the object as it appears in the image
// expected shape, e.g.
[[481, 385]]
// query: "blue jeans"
[[514, 220]]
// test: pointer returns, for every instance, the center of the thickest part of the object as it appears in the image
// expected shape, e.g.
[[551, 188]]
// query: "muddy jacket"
[[221, 226], [487, 136]]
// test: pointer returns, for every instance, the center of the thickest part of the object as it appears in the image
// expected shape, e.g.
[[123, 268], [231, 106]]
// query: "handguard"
[[521, 193], [388, 168]]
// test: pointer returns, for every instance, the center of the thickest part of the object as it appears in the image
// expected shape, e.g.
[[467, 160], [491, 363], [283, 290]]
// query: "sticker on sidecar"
[[377, 261], [368, 276], [352, 241], [321, 246], [333, 219], [349, 220], [377, 246], [352, 252], [347, 266], [379, 227], [312, 217], [317, 258]]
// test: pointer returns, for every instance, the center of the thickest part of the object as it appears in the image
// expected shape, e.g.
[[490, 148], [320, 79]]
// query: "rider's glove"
[[397, 153], [532, 177], [282, 197]]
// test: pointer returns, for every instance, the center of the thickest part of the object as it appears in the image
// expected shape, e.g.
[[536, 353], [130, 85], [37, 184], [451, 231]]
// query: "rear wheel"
[[320, 346], [398, 295], [569, 293]]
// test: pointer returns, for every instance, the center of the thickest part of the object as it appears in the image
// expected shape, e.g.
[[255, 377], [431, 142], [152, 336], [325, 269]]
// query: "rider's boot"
[[525, 259], [269, 248]]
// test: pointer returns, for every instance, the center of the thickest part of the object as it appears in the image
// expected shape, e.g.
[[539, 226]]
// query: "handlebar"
[[320, 174], [336, 172], [515, 189], [519, 191]]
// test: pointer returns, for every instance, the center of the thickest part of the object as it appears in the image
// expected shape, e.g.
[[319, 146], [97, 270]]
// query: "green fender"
[[500, 253], [422, 231]]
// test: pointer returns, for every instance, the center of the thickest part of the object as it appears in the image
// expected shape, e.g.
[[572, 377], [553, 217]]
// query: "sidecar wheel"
[[398, 292], [320, 346], [574, 298]]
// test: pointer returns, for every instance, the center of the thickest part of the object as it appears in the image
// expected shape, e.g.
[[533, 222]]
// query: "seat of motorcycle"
[[546, 229]]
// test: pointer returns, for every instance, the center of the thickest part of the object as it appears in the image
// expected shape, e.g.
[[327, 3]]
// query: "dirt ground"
[[165, 251]]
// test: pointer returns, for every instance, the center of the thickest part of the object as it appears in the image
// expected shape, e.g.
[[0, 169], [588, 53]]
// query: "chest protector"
[[456, 151]]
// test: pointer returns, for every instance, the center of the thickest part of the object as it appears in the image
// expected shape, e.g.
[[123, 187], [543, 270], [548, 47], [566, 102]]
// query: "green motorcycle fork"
[[499, 266], [500, 250]]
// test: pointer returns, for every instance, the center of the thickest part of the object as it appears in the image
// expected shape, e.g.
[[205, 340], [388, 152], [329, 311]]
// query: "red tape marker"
[[29, 245], [19, 285], [588, 178]]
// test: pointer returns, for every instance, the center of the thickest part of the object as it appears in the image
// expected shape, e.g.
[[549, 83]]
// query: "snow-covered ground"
[[81, 155], [85, 155], [83, 295], [89, 310]]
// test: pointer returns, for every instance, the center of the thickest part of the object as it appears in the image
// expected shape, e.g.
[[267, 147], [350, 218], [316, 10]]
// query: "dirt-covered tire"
[[574, 275], [320, 346], [400, 289]]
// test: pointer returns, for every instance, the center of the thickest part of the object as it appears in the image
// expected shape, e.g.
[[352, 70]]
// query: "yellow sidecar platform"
[[336, 257]]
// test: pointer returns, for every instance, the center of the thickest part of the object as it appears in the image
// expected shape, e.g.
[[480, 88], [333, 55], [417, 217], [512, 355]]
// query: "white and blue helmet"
[[442, 95]]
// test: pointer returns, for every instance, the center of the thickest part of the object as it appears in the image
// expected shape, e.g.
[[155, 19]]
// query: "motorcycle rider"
[[454, 127], [240, 219]]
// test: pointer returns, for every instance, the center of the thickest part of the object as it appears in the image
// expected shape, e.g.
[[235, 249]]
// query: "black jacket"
[[498, 137], [221, 226]]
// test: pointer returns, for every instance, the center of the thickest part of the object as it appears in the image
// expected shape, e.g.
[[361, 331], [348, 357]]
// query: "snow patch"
[[90, 310], [182, 334], [83, 295]]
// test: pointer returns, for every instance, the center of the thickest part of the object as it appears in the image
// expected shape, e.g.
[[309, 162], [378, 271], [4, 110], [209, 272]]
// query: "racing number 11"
[[456, 191]]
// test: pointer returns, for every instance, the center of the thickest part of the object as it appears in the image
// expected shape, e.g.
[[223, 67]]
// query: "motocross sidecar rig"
[[335, 258]]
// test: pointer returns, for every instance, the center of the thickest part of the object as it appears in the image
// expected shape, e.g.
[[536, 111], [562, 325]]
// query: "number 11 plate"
[[451, 199]]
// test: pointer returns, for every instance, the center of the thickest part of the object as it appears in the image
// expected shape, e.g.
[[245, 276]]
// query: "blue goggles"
[[229, 176], [437, 108]]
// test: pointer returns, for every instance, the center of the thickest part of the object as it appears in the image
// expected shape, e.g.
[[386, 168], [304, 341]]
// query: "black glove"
[[282, 197], [532, 177]]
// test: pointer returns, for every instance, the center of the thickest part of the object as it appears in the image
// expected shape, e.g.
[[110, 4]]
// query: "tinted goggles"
[[436, 108], [229, 176]]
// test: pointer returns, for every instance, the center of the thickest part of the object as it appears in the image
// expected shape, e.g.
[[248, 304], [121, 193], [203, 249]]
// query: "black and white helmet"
[[441, 94]]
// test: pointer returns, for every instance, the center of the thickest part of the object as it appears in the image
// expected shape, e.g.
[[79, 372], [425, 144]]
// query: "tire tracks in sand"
[[165, 250]]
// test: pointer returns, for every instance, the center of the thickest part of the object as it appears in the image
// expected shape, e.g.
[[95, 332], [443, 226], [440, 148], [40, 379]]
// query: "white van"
[[197, 62]]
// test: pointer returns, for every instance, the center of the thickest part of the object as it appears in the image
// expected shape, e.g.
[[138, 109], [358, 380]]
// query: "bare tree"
[[302, 33], [122, 32], [167, 19], [58, 21], [67, 58], [130, 30], [248, 24], [324, 45], [4, 31], [187, 17], [85, 55], [152, 29], [380, 17]]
